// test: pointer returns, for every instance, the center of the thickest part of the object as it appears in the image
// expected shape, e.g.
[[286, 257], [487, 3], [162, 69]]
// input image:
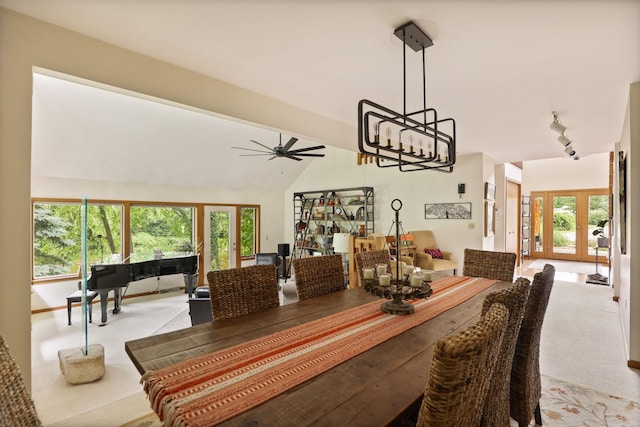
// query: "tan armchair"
[[424, 239]]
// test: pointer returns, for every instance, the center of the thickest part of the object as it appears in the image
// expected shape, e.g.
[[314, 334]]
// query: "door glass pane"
[[538, 224], [219, 223], [564, 224], [247, 232], [598, 212]]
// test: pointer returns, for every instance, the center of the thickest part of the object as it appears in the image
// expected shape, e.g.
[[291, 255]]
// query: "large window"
[[161, 231], [56, 237], [125, 231]]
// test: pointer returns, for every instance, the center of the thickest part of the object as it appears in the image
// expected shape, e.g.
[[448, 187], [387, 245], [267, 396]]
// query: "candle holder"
[[405, 285], [409, 287]]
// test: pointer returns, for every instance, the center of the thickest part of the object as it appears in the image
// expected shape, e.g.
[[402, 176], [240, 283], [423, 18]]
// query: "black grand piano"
[[113, 277]]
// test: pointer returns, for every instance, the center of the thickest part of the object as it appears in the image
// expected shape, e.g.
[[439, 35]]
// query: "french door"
[[220, 230], [563, 222]]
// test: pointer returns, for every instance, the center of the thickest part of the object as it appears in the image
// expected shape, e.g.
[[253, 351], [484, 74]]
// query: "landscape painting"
[[447, 210]]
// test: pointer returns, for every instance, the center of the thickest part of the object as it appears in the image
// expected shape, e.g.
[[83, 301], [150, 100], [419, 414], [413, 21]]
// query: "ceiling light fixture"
[[556, 125], [406, 135], [563, 138]]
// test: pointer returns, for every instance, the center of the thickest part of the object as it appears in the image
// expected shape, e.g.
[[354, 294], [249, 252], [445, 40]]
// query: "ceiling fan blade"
[[289, 144], [300, 150], [308, 154], [262, 145], [250, 149], [293, 158], [250, 155]]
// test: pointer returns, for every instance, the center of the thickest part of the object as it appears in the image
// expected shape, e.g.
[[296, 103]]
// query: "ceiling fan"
[[283, 151]]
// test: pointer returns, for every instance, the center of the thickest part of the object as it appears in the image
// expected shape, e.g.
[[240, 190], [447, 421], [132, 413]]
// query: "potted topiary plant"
[[603, 241]]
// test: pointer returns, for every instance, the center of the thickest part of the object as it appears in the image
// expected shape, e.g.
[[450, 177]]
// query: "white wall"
[[566, 174], [339, 170], [628, 281]]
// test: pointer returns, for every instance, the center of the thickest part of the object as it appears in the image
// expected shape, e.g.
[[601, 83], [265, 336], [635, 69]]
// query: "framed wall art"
[[489, 218], [489, 191], [447, 210], [622, 181]]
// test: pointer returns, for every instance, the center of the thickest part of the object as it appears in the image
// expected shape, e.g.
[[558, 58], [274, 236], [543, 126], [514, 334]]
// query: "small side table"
[[77, 297]]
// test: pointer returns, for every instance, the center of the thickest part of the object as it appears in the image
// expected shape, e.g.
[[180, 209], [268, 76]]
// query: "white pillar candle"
[[416, 280], [367, 273], [408, 269], [426, 274], [381, 268], [384, 279]]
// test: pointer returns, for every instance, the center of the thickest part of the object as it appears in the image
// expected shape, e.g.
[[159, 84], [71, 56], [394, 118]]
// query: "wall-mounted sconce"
[[461, 190]]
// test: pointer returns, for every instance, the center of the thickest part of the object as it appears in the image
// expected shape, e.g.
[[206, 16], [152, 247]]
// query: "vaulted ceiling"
[[498, 67]]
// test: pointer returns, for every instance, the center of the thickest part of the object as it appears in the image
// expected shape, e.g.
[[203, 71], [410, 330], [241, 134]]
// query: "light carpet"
[[563, 404], [570, 266]]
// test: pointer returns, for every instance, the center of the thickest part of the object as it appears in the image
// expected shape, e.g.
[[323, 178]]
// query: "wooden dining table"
[[375, 388]]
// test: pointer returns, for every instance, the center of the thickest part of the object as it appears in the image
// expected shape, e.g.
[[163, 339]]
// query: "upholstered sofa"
[[424, 239]]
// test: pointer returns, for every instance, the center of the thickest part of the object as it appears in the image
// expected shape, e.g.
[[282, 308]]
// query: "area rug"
[[567, 404], [569, 266]]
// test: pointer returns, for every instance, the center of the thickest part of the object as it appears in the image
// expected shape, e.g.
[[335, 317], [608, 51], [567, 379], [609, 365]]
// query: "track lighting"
[[563, 138], [556, 125]]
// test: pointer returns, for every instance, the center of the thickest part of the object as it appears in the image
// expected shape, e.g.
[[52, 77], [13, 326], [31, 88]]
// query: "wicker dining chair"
[[318, 275], [489, 264], [370, 259], [496, 407], [16, 406], [240, 291], [460, 372], [526, 388]]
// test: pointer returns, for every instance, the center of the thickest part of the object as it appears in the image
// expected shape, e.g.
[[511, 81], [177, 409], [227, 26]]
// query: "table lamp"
[[342, 245]]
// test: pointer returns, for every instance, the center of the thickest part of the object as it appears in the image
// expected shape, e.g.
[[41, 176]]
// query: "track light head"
[[556, 125], [562, 139], [570, 151]]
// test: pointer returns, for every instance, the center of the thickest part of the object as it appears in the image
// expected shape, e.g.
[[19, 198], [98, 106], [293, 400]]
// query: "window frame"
[[125, 232]]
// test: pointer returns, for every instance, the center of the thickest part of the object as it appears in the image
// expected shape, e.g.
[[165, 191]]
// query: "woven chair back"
[[16, 405], [240, 291], [318, 275], [525, 388], [370, 259], [489, 264], [514, 298], [460, 372]]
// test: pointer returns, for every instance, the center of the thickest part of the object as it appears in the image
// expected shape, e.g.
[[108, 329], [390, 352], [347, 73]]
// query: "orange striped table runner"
[[209, 389]]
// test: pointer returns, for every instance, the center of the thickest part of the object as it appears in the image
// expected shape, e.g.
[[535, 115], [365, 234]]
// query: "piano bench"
[[77, 297]]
